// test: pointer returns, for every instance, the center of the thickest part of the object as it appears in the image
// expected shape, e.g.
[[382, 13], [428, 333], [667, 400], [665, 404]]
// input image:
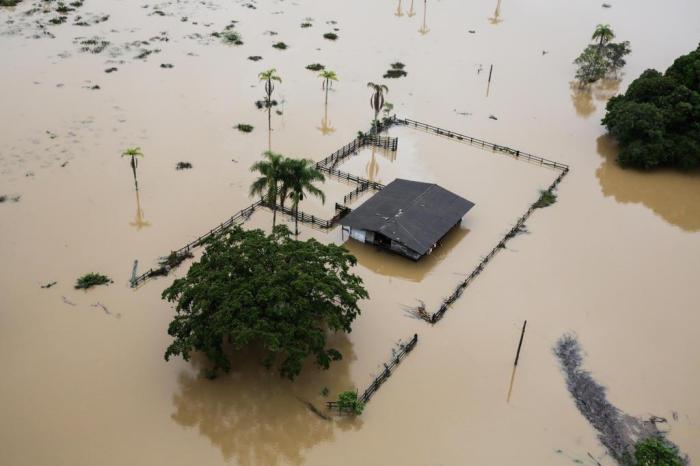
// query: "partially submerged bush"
[[280, 45], [260, 104], [306, 24], [546, 199], [657, 451], [330, 36], [255, 58], [231, 37], [315, 67], [9, 2], [347, 401], [183, 166], [244, 128], [396, 71], [174, 259], [91, 279]]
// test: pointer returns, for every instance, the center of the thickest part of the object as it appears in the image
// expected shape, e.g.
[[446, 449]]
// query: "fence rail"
[[481, 143], [382, 377]]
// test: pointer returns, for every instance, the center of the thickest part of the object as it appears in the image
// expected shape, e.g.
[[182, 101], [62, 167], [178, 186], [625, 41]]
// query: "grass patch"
[[315, 67], [244, 128], [91, 279], [183, 166], [280, 45], [546, 199], [330, 36]]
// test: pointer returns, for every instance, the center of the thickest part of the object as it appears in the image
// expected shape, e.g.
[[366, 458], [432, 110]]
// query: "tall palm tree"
[[133, 152], [267, 186], [268, 76], [300, 177], [328, 77], [603, 33], [377, 101]]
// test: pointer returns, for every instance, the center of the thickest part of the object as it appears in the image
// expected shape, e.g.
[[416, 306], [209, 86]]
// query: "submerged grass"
[[91, 279]]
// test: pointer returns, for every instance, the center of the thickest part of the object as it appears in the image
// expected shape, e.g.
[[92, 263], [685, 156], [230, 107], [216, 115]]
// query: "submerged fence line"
[[480, 142], [382, 377], [518, 227]]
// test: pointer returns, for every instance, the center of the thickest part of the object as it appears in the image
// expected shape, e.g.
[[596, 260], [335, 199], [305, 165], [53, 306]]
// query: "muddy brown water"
[[614, 260]]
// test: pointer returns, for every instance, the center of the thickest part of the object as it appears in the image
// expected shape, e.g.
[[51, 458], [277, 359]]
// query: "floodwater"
[[614, 260]]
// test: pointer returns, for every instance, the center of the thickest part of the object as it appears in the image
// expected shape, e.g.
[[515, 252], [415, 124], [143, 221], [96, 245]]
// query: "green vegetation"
[[347, 401], [183, 166], [268, 292], [133, 152], [280, 45], [315, 67], [298, 177], [377, 101], [546, 199], [91, 279], [656, 122], [396, 71], [656, 451], [255, 58], [306, 24], [267, 186], [231, 38], [9, 2], [330, 36], [268, 77], [603, 58], [328, 77], [244, 128]]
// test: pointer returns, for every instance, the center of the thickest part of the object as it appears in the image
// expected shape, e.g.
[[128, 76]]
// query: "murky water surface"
[[614, 260]]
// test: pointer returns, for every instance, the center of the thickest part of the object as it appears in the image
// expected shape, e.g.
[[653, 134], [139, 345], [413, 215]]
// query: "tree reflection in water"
[[257, 418], [582, 96]]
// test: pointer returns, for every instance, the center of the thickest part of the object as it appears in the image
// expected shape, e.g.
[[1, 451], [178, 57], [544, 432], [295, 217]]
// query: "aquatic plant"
[[315, 67], [91, 279], [348, 401], [280, 45], [244, 128], [330, 36], [546, 199]]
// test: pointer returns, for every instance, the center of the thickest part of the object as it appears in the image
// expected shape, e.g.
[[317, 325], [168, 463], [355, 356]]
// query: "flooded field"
[[614, 261]]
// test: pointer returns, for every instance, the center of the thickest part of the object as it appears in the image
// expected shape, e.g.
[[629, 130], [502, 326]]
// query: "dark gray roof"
[[412, 213]]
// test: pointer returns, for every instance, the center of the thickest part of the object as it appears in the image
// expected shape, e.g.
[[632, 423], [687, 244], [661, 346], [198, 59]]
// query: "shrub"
[[347, 401], [330, 36], [315, 67], [231, 38], [91, 279], [657, 451], [280, 45], [244, 128], [546, 199], [183, 166]]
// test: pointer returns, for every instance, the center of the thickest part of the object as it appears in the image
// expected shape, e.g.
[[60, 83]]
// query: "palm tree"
[[133, 152], [268, 76], [267, 185], [328, 78], [603, 33], [377, 101], [299, 180]]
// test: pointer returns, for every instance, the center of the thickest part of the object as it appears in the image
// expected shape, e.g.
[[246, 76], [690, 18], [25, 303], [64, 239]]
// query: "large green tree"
[[603, 59], [265, 291], [657, 121]]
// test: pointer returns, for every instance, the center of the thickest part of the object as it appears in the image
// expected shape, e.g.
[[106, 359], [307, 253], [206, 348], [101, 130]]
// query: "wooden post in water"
[[520, 344]]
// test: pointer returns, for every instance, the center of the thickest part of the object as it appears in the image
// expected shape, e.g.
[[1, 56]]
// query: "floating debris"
[[48, 285], [111, 70]]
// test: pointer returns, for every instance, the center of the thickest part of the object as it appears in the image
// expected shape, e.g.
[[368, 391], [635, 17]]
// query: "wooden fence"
[[481, 143], [389, 367]]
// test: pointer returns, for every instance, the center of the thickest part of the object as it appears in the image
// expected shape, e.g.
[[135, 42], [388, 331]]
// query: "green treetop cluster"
[[657, 121]]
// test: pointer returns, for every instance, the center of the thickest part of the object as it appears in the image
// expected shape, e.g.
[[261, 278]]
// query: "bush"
[[347, 401], [91, 279], [315, 67], [657, 451], [244, 128], [280, 45], [330, 36], [546, 199], [183, 166], [656, 121]]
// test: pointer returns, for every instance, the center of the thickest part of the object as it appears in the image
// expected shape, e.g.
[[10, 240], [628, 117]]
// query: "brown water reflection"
[[393, 265], [139, 221], [672, 195], [582, 96], [496, 18], [326, 127], [424, 27], [255, 417]]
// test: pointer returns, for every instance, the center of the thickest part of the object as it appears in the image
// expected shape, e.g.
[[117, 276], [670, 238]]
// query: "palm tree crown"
[[133, 152], [328, 76], [377, 99], [299, 178], [267, 185], [603, 33]]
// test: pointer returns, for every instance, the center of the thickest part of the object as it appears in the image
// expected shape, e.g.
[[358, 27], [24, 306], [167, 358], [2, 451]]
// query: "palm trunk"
[[326, 92], [133, 168]]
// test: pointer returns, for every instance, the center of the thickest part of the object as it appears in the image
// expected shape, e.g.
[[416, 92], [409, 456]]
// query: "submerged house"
[[407, 217]]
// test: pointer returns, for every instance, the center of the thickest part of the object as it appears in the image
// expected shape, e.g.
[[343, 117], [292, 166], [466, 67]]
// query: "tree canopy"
[[657, 451], [657, 121], [265, 291], [604, 58]]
